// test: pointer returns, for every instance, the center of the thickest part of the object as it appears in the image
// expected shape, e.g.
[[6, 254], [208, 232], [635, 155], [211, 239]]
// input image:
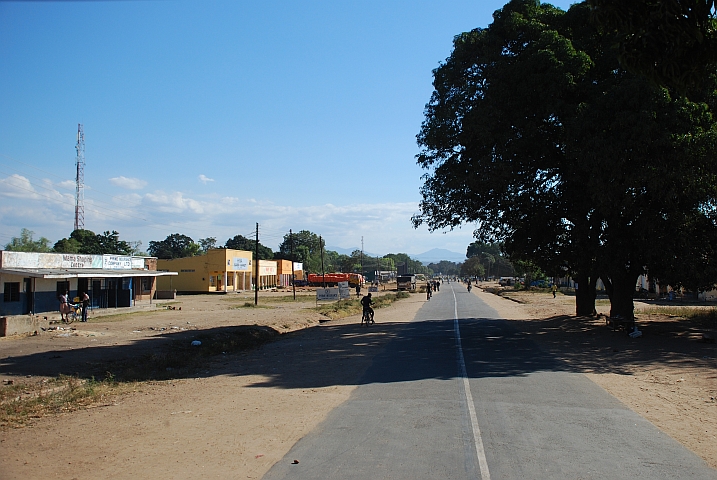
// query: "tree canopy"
[[174, 246], [89, 243], [535, 133], [26, 243], [671, 42], [445, 267], [240, 242]]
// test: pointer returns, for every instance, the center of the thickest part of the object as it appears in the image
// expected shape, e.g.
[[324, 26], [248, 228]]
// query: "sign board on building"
[[327, 294], [267, 268], [116, 262], [344, 291], [298, 266], [241, 263], [70, 260], [137, 263]]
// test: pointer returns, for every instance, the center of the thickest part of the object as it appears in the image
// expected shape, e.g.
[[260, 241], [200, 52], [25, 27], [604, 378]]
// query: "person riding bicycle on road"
[[366, 303]]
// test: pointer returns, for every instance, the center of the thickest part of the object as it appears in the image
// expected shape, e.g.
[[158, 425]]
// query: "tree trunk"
[[585, 295], [621, 297]]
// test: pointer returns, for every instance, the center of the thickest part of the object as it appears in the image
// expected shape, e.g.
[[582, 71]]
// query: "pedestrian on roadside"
[[85, 299], [554, 289], [358, 290], [64, 306]]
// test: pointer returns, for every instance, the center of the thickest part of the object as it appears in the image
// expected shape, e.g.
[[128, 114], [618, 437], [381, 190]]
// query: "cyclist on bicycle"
[[366, 303]]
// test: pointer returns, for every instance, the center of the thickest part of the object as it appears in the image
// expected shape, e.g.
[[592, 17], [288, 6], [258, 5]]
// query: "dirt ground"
[[243, 412]]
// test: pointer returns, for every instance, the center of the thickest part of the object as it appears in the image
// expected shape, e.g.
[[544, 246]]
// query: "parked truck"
[[333, 279], [406, 282]]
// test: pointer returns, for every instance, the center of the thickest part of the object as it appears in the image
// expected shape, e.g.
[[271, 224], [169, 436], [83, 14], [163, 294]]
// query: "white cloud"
[[17, 186], [385, 227], [128, 183], [204, 179], [174, 202]]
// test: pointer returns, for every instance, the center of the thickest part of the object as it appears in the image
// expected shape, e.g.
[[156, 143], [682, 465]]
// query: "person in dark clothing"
[[85, 299], [366, 303]]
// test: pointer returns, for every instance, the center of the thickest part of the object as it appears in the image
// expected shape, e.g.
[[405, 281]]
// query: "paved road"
[[460, 394]]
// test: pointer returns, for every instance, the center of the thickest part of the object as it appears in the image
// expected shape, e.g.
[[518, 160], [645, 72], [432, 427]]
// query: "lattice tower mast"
[[80, 180]]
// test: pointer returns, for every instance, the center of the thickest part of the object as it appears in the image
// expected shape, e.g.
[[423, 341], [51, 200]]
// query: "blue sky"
[[206, 117]]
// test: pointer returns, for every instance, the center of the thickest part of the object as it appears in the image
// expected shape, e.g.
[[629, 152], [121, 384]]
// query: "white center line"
[[480, 452]]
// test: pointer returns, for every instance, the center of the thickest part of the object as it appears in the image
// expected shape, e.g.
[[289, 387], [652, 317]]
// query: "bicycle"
[[74, 314], [367, 317]]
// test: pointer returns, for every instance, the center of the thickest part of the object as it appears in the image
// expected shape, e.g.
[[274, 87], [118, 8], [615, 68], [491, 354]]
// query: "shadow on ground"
[[396, 352]]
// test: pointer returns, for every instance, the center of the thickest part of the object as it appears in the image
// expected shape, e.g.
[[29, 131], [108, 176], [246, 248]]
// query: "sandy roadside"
[[234, 421], [667, 376], [242, 414]]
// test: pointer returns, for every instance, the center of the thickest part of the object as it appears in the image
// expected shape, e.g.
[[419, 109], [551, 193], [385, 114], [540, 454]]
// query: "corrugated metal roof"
[[82, 273]]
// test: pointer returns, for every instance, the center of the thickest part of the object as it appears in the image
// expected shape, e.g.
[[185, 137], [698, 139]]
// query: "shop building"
[[285, 270], [31, 282], [218, 270]]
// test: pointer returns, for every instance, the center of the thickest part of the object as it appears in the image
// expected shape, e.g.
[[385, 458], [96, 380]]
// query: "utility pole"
[[361, 256], [256, 260], [323, 274], [293, 275], [80, 179]]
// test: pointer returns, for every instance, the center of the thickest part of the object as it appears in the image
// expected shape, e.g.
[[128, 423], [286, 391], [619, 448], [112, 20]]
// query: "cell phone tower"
[[80, 180]]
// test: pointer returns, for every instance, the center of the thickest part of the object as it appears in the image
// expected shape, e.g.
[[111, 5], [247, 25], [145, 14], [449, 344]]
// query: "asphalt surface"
[[491, 405]]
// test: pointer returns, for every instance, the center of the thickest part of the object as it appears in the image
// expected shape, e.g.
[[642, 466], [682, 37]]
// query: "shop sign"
[[116, 262]]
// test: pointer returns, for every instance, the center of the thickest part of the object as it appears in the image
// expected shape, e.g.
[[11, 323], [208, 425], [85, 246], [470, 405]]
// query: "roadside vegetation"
[[20, 404], [352, 306]]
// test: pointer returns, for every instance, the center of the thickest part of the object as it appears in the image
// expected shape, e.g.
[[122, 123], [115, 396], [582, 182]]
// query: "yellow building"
[[284, 272], [219, 270], [267, 274]]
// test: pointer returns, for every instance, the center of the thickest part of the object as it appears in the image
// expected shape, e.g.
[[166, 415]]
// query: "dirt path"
[[243, 413]]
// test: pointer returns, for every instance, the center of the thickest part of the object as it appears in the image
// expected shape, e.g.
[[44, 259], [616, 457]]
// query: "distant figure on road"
[[554, 289], [358, 290], [428, 290]]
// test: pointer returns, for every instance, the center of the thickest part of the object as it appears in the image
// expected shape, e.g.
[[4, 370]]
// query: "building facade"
[[32, 282], [218, 270]]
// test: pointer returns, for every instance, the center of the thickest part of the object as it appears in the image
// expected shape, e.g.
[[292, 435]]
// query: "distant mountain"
[[349, 251], [435, 255]]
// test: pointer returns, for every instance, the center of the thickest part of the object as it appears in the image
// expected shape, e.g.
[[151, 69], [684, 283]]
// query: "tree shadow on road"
[[349, 354]]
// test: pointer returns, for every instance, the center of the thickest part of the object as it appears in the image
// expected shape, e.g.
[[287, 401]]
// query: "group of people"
[[432, 286], [66, 306]]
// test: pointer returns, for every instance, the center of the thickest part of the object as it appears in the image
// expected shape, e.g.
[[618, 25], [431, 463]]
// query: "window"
[[12, 292]]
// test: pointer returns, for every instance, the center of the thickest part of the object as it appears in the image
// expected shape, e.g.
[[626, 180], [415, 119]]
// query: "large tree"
[[89, 243], [240, 242], [307, 247], [671, 42], [175, 245], [535, 133]]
